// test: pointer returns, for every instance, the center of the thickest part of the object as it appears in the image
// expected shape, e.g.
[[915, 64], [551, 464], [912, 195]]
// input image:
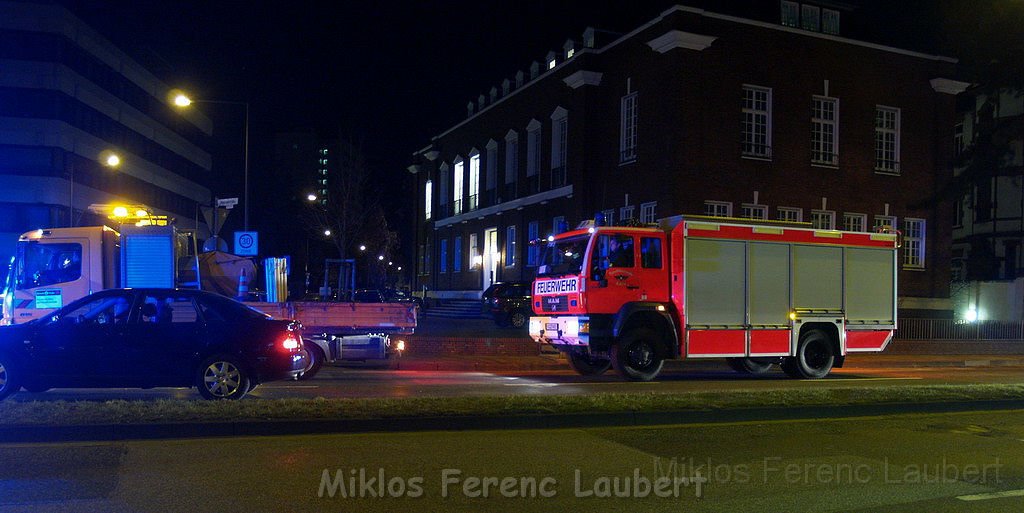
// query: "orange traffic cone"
[[243, 286]]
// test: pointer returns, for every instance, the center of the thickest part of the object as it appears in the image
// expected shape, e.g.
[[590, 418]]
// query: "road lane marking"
[[843, 380], [994, 495]]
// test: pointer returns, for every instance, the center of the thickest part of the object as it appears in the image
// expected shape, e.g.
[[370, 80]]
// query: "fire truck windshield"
[[562, 256], [38, 265]]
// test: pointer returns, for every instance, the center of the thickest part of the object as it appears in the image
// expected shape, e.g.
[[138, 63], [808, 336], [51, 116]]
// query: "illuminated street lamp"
[[181, 100], [327, 233], [311, 197], [362, 247]]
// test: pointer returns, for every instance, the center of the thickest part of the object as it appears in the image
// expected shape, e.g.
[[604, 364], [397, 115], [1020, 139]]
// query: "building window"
[[823, 219], [427, 197], [457, 255], [474, 181], [757, 117], [532, 233], [830, 21], [442, 266], [510, 246], [491, 178], [474, 251], [609, 217], [750, 211], [855, 222], [791, 214], [511, 166], [532, 157], [718, 208], [913, 243], [790, 13], [810, 17], [884, 223], [958, 212], [627, 129], [457, 187], [626, 213], [648, 212], [559, 146], [558, 225], [825, 131], [887, 139]]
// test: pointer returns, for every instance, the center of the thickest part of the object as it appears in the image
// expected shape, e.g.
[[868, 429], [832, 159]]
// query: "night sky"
[[389, 76]]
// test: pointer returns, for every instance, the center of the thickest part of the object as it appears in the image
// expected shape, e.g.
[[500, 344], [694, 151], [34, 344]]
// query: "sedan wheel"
[[222, 378], [8, 385]]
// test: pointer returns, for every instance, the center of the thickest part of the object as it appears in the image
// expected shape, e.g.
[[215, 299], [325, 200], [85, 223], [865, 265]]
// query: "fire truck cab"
[[758, 293]]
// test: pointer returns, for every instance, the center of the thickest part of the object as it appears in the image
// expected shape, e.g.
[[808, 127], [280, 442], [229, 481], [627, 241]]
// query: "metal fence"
[[954, 329]]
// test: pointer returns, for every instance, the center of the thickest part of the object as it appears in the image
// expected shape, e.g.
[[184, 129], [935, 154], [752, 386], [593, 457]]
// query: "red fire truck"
[[757, 293]]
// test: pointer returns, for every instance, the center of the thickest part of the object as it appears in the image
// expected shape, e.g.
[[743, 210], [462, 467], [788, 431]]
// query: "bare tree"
[[351, 209]]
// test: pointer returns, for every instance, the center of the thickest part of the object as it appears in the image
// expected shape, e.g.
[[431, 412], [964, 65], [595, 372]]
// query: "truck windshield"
[[562, 256], [39, 265]]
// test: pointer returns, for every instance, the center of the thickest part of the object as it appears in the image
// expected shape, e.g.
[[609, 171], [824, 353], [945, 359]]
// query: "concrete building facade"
[[68, 97]]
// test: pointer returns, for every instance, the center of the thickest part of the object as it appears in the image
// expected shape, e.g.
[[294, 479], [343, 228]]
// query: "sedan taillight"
[[291, 342]]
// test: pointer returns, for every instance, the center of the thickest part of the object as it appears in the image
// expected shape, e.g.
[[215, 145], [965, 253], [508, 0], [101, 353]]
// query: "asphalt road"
[[335, 382], [954, 462]]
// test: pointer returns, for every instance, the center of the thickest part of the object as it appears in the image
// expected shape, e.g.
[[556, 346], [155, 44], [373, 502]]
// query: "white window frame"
[[556, 223], [823, 219], [881, 221], [458, 174], [511, 157], [533, 251], [628, 112], [825, 131], [754, 211], [474, 181], [914, 242], [790, 214], [810, 17], [855, 222], [427, 198], [627, 212], [510, 246], [887, 139], [830, 19], [718, 208], [533, 133], [792, 9], [474, 248], [648, 212], [609, 217], [559, 136], [756, 134]]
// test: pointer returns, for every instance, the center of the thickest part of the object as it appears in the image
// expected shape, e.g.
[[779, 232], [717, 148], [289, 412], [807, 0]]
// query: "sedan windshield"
[[562, 256]]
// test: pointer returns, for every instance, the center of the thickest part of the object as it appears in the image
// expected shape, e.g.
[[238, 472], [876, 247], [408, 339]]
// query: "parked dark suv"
[[508, 303]]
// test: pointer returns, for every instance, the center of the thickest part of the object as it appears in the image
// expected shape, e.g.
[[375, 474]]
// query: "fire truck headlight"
[[792, 316]]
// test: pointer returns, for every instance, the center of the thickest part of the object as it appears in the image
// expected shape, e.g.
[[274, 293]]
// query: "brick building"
[[695, 112]]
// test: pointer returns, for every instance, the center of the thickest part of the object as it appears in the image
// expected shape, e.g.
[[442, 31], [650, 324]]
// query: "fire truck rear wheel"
[[636, 356], [814, 356], [587, 365], [750, 365]]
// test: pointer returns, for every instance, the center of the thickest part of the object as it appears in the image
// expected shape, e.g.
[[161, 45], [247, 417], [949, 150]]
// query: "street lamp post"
[[182, 100]]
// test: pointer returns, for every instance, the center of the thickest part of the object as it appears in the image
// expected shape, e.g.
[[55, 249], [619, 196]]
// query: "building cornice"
[[678, 39], [948, 86], [583, 78], [515, 204]]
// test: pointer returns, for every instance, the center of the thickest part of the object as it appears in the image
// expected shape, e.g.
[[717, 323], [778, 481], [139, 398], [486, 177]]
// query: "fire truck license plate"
[[551, 326]]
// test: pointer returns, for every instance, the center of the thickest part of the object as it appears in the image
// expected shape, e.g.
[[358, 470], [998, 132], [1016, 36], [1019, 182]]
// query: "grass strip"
[[70, 413]]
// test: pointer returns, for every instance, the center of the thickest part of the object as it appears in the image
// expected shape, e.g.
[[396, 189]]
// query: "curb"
[[122, 432]]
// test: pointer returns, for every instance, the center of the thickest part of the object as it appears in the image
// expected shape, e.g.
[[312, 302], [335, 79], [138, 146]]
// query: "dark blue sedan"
[[151, 338]]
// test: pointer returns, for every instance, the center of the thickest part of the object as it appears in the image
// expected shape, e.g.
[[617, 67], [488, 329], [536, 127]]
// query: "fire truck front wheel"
[[636, 355], [814, 356], [586, 365], [316, 361], [750, 365]]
